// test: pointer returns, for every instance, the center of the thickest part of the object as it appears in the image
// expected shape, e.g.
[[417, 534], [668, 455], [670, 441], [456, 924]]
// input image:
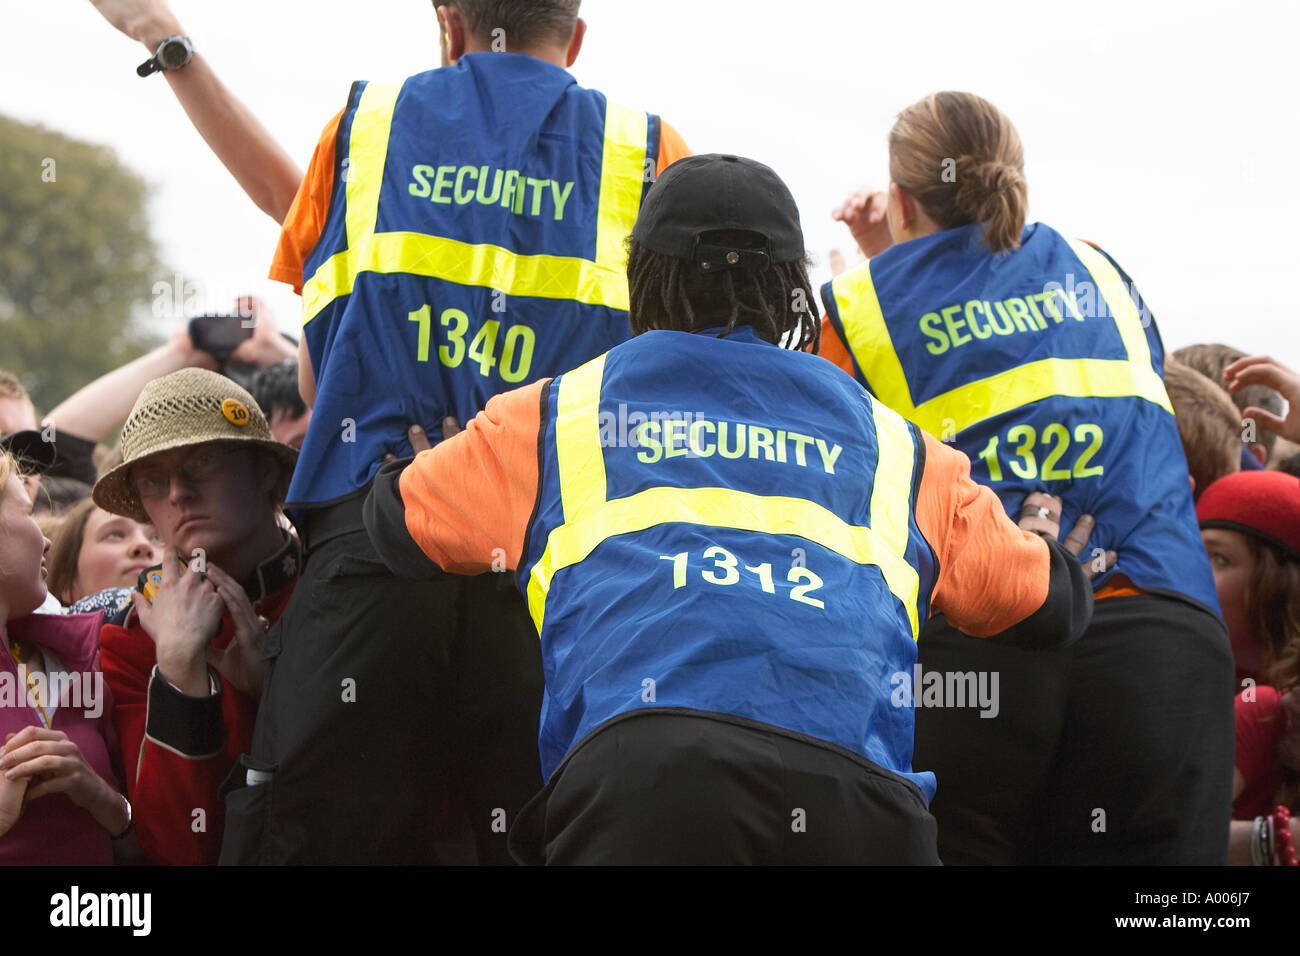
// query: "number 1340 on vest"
[[516, 351]]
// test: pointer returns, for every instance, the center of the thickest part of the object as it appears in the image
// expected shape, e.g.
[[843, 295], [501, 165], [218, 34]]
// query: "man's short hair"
[[1208, 424], [58, 494], [1210, 360], [275, 389], [524, 22]]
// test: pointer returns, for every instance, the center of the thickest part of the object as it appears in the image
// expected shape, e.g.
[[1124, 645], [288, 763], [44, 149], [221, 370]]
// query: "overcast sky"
[[1166, 132]]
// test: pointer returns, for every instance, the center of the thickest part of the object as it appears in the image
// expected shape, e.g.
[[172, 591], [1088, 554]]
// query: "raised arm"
[[259, 164], [97, 410]]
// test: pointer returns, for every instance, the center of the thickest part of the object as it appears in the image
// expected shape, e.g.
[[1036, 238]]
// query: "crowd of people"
[[571, 531]]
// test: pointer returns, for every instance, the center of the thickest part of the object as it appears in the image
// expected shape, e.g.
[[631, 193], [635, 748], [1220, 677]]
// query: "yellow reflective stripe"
[[367, 153], [602, 282], [569, 544], [1005, 392], [544, 277], [622, 177], [891, 507], [579, 455], [868, 337], [1127, 320], [967, 405]]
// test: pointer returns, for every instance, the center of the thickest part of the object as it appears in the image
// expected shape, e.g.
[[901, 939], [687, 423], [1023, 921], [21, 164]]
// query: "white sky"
[[1166, 132]]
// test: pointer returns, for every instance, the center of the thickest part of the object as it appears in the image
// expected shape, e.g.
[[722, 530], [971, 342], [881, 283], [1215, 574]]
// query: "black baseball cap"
[[31, 449], [714, 192]]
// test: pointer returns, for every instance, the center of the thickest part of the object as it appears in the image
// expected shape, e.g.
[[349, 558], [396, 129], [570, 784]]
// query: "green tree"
[[76, 261]]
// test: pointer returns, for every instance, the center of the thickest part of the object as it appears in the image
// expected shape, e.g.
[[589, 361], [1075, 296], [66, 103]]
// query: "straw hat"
[[180, 410]]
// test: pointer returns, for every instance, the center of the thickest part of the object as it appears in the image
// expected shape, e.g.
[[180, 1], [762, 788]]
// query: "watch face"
[[174, 54]]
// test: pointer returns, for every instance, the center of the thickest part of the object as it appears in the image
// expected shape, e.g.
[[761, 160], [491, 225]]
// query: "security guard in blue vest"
[[728, 549], [473, 221], [1032, 353]]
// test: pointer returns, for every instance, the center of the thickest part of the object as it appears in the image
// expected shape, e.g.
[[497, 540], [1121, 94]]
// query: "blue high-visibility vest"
[[1041, 367], [700, 544], [474, 243]]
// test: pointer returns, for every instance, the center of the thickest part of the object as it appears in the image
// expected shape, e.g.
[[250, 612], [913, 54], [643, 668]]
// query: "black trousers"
[[1116, 750], [389, 703], [667, 787]]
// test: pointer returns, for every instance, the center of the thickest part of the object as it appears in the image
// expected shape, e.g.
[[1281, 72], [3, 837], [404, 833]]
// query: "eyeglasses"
[[198, 467]]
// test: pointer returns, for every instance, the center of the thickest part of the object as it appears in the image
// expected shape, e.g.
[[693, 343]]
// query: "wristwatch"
[[172, 54]]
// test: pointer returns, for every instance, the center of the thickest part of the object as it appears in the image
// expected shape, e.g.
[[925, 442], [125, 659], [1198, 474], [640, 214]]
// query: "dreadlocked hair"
[[671, 293]]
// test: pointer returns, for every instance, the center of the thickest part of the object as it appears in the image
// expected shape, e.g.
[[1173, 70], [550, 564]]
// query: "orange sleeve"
[[992, 575], [671, 147], [469, 499], [306, 218], [833, 348]]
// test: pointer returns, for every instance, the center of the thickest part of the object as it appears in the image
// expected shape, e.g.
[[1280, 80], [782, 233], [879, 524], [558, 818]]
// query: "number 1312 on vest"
[[725, 571]]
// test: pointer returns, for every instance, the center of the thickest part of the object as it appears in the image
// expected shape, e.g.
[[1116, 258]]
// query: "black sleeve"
[[1066, 612], [191, 726], [385, 518], [74, 457]]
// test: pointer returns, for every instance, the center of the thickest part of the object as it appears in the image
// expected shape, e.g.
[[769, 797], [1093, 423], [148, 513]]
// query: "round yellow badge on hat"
[[236, 412]]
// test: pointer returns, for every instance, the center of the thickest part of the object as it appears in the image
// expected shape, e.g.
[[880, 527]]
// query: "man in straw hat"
[[728, 595], [183, 659]]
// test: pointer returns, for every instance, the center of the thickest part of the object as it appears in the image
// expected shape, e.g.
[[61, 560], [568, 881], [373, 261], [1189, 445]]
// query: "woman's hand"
[[266, 346], [1041, 514], [51, 763], [1262, 370], [11, 801], [182, 621], [241, 661], [864, 213]]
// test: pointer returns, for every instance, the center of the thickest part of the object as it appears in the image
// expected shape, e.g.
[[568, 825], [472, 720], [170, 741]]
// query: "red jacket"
[[54, 831], [177, 750]]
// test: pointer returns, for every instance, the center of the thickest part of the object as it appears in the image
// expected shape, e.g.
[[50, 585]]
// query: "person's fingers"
[[1264, 419], [450, 427], [1078, 537], [1091, 570], [852, 205], [1040, 513], [220, 579], [1234, 369], [170, 571], [29, 733], [879, 206], [246, 620], [1260, 370], [141, 605], [837, 263], [46, 763], [419, 440], [56, 784], [38, 748]]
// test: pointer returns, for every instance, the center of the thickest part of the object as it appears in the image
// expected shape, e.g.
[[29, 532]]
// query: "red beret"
[[1263, 504]]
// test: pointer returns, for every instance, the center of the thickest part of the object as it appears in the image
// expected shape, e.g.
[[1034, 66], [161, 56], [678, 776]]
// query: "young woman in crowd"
[[96, 557], [1033, 354], [60, 803], [1250, 523]]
